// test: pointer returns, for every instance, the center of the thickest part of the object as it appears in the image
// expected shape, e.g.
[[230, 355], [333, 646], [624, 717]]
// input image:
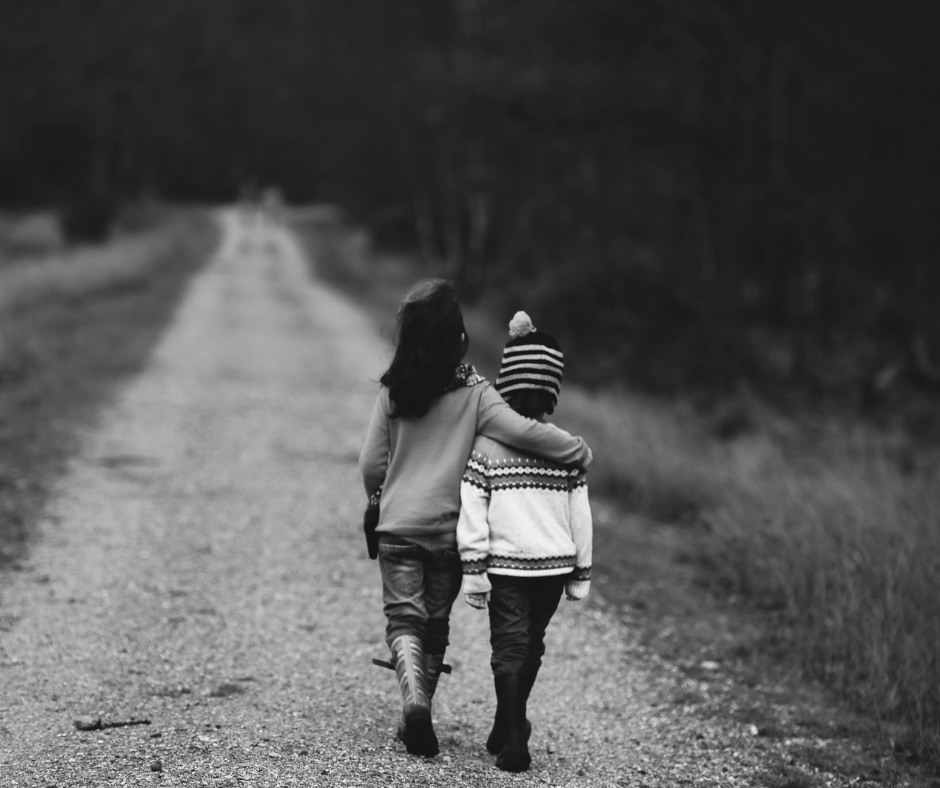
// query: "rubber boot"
[[497, 738], [434, 664], [417, 732], [510, 694]]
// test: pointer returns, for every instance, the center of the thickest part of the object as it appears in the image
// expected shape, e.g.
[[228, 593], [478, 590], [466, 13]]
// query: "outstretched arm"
[[500, 422]]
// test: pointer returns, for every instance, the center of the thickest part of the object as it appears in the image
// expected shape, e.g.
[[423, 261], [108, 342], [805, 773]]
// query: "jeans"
[[520, 609], [419, 586]]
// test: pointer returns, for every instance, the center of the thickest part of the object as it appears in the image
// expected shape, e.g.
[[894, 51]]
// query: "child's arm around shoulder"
[[500, 422]]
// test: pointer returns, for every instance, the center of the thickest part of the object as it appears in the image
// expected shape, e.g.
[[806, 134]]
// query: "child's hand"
[[479, 601], [576, 590]]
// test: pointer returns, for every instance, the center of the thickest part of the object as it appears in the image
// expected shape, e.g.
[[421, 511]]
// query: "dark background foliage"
[[743, 186]]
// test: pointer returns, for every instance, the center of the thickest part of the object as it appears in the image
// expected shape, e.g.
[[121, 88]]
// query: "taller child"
[[428, 411]]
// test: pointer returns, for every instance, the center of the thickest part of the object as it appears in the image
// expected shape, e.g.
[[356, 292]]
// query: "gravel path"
[[202, 568]]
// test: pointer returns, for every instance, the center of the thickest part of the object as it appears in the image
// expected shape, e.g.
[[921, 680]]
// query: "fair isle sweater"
[[522, 516]]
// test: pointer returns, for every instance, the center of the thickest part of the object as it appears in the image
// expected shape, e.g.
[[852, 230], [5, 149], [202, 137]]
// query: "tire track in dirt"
[[201, 566]]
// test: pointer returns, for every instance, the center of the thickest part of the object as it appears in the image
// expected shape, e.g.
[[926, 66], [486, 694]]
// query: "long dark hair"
[[430, 342]]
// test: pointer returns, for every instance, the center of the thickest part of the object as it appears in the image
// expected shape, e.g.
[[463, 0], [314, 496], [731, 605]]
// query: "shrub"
[[89, 218], [138, 216], [30, 235]]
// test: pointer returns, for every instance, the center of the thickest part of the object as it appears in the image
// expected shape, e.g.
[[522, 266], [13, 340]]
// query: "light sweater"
[[523, 516], [418, 462]]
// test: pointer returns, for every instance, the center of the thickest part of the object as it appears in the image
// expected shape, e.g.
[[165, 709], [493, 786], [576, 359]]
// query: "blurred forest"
[[743, 188]]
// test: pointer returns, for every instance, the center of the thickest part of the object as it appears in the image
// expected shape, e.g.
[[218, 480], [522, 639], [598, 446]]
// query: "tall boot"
[[417, 731], [434, 662], [531, 674], [497, 738], [510, 694]]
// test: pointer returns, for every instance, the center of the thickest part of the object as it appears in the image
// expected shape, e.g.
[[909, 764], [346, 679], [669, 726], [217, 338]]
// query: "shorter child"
[[524, 535]]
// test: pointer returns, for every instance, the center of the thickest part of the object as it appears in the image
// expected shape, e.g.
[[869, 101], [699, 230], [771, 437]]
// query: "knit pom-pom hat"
[[531, 359]]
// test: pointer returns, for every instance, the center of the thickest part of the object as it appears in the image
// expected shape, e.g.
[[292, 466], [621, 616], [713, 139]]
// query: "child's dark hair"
[[531, 403], [430, 343]]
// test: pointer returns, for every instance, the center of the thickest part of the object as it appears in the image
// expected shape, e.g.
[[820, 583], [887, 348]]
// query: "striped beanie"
[[531, 360]]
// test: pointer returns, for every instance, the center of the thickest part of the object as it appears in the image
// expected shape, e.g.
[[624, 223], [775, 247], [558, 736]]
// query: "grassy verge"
[[339, 255], [833, 539], [73, 327], [821, 544]]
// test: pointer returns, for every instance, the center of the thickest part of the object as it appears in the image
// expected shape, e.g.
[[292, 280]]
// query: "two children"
[[429, 410]]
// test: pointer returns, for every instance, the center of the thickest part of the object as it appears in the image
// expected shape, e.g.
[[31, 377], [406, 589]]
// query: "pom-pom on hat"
[[531, 359]]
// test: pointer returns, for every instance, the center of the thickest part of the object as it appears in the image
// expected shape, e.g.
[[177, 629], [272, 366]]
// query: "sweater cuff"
[[580, 573], [476, 584], [474, 566]]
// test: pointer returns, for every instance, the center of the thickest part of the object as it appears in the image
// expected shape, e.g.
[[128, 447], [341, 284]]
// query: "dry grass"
[[27, 235], [840, 535], [74, 274], [73, 326]]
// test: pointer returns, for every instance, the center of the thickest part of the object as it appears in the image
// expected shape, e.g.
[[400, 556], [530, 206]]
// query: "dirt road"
[[202, 568]]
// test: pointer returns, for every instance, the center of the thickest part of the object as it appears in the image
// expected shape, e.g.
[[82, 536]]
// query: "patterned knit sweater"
[[523, 516]]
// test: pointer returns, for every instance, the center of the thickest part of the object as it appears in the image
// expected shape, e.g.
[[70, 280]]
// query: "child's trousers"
[[419, 586], [520, 610]]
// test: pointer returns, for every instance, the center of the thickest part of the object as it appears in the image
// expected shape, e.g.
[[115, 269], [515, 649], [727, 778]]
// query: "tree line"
[[770, 163]]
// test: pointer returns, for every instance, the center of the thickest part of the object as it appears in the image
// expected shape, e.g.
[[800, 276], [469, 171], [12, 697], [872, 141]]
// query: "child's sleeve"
[[501, 423], [578, 586], [373, 460], [473, 529]]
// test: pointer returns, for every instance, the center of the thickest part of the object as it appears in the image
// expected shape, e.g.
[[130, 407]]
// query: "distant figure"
[[247, 202], [428, 411], [525, 535], [271, 205]]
